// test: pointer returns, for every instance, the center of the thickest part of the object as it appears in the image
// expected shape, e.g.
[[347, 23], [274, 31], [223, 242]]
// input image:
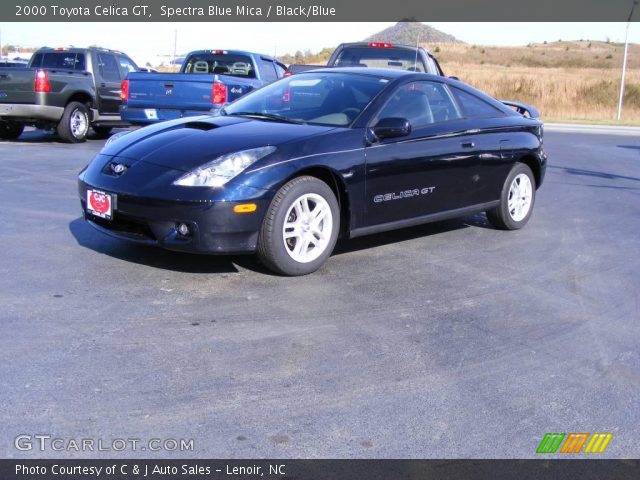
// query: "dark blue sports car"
[[285, 170]]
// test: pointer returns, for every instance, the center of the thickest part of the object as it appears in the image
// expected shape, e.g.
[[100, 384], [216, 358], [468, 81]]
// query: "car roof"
[[393, 45], [374, 72], [393, 74], [72, 49], [229, 52]]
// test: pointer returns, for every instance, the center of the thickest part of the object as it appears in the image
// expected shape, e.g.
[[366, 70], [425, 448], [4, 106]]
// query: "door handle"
[[103, 84], [468, 144]]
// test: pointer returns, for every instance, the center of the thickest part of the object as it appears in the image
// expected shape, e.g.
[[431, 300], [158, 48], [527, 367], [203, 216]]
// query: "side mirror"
[[392, 127]]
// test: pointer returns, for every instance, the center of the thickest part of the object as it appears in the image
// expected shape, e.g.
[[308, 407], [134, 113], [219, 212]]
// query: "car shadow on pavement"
[[593, 173], [48, 136], [410, 233], [150, 256]]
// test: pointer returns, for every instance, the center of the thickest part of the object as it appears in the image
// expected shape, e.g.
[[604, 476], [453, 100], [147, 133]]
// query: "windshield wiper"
[[267, 116]]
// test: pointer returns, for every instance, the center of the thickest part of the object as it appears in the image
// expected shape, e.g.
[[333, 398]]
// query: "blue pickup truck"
[[208, 80]]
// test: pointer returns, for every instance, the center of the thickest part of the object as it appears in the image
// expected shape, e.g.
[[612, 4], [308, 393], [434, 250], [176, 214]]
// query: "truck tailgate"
[[17, 85], [181, 91]]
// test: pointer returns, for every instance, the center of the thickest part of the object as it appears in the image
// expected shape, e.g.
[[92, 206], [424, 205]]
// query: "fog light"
[[183, 229]]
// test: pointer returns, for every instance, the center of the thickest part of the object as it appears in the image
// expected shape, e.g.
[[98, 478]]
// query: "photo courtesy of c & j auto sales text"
[[319, 240]]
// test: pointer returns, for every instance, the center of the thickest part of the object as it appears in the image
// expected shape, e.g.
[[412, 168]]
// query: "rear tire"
[[74, 124], [516, 200], [102, 132], [300, 229], [10, 130]]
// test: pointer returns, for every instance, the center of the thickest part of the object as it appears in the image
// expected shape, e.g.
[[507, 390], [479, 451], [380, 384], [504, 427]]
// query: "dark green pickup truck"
[[67, 89]]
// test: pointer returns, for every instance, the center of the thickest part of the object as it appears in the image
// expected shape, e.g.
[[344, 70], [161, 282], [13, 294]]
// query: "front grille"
[[125, 225]]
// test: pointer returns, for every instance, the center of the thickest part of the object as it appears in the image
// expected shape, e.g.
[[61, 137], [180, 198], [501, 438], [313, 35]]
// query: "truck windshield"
[[378, 57], [223, 64], [315, 98]]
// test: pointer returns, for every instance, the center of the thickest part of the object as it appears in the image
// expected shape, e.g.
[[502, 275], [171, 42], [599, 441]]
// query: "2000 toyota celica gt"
[[285, 170]]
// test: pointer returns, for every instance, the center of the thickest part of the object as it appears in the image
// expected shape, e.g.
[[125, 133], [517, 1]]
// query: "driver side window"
[[422, 103]]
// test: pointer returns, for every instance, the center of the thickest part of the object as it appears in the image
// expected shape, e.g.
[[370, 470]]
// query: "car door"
[[427, 171], [108, 82]]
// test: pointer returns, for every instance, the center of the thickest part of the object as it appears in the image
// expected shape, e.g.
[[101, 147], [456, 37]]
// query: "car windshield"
[[334, 99]]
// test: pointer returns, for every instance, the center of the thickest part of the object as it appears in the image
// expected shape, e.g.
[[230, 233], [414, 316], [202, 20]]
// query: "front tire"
[[10, 130], [74, 124], [300, 228], [516, 200]]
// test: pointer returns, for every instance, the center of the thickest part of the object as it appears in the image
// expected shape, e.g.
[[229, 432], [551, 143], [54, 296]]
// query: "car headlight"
[[219, 171]]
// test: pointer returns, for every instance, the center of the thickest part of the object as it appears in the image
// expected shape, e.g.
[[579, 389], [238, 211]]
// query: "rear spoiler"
[[522, 108]]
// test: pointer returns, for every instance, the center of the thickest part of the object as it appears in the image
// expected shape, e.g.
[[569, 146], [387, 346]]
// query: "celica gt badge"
[[414, 192]]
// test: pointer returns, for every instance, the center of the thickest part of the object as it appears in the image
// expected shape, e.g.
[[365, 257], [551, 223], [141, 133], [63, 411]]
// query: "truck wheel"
[[102, 132], [516, 200], [10, 130], [300, 228], [74, 124]]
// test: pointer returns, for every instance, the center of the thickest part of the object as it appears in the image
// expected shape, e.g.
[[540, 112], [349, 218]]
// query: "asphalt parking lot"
[[445, 340]]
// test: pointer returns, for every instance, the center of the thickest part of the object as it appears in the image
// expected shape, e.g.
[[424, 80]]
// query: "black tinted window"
[[268, 70], [36, 61], [222, 64], [108, 67], [61, 60], [473, 107]]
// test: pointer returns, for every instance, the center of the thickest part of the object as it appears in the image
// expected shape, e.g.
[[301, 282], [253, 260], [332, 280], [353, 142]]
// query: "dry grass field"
[[566, 81]]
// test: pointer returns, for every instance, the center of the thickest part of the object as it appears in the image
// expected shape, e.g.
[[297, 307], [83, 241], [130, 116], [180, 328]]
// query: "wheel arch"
[[82, 97], [337, 185], [534, 164]]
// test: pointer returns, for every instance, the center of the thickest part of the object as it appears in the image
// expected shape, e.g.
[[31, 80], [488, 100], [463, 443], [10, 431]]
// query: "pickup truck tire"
[[516, 199], [300, 227], [10, 130], [74, 124], [102, 132]]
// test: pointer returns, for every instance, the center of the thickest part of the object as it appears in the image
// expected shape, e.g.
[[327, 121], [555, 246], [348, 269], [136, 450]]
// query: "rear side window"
[[108, 67], [221, 64], [60, 60], [474, 107], [269, 70], [36, 61], [126, 66], [280, 69]]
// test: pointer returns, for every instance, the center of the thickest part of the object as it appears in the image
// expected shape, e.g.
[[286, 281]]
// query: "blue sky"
[[145, 40]]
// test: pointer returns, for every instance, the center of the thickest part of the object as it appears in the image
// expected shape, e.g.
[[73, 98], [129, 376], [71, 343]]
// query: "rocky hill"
[[408, 32]]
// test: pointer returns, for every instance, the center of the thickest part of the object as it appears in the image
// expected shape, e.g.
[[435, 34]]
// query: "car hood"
[[188, 143]]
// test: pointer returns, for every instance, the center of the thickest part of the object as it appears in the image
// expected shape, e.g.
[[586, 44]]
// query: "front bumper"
[[27, 112], [142, 116], [214, 226]]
